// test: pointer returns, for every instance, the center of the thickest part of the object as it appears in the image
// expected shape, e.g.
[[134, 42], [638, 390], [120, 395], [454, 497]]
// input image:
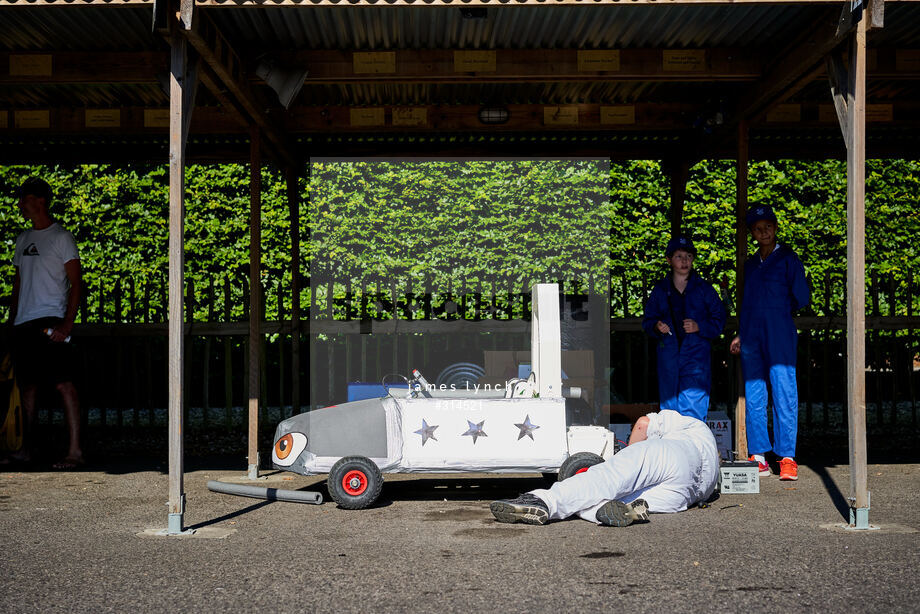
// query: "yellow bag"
[[11, 429]]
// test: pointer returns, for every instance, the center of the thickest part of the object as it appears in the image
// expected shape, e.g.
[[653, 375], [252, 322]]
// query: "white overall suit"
[[675, 467]]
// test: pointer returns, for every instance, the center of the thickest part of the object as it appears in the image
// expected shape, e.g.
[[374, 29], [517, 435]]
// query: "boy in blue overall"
[[684, 313], [774, 288]]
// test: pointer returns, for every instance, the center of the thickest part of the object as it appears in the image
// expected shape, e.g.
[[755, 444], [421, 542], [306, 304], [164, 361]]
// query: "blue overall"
[[684, 369], [773, 290]]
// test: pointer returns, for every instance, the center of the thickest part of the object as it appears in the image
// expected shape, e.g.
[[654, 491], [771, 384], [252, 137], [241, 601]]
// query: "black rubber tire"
[[354, 482], [577, 462]]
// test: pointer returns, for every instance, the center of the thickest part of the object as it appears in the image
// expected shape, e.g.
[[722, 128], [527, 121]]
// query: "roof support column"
[[181, 96], [741, 205], [679, 172], [856, 276], [848, 87], [255, 296], [293, 197]]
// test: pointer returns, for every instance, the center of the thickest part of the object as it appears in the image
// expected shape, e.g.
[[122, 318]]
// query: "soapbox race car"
[[519, 427]]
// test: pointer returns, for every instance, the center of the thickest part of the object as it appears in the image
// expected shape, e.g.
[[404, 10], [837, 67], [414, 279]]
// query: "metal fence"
[[364, 332]]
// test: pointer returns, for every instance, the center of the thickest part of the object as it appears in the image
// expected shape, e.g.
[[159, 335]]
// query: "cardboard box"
[[721, 428], [739, 477], [506, 363]]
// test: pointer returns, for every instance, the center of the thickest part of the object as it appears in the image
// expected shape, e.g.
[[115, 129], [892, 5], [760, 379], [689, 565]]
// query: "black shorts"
[[37, 360]]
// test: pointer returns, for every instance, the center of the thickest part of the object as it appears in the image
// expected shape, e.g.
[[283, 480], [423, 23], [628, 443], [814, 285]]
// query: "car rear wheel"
[[354, 482], [578, 463]]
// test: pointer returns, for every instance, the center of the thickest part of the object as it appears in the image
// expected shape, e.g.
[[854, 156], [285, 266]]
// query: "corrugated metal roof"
[[90, 28], [902, 27], [515, 27], [759, 29], [506, 27]]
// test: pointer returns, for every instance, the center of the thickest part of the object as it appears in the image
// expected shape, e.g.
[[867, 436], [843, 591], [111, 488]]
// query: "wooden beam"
[[678, 173], [176, 342], [426, 118], [293, 198], [852, 12], [122, 121], [528, 65], [875, 12], [255, 297], [821, 38], [640, 118], [327, 66], [837, 75], [741, 253], [856, 275], [82, 67], [227, 104], [221, 57], [522, 117], [413, 65], [189, 91]]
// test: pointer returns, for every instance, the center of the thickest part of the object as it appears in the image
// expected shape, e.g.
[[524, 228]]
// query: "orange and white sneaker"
[[762, 468], [788, 469]]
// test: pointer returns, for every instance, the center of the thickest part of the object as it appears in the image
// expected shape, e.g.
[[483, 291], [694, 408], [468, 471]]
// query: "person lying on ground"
[[670, 464]]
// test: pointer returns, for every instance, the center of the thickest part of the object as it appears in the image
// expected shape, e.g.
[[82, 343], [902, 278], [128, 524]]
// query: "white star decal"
[[475, 431], [527, 428], [427, 432]]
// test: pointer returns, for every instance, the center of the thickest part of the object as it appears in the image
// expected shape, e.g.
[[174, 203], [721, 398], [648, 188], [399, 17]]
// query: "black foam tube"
[[261, 492]]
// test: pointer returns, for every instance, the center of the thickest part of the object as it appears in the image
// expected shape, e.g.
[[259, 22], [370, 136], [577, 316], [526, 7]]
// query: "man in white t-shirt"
[[46, 295], [670, 464]]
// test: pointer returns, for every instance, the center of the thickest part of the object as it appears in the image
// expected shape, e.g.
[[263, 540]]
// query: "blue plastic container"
[[358, 391]]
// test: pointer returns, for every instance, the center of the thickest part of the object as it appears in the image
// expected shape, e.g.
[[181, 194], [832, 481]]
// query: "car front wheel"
[[354, 482]]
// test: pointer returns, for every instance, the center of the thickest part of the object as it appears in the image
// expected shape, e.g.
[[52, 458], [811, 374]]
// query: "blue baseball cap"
[[763, 212], [679, 242]]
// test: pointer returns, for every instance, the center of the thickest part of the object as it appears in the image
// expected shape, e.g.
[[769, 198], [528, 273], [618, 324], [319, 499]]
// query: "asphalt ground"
[[74, 542]]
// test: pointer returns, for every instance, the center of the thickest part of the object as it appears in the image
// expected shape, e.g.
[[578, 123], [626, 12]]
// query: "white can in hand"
[[50, 331]]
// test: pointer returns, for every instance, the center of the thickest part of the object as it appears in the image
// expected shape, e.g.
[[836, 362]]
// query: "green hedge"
[[467, 222]]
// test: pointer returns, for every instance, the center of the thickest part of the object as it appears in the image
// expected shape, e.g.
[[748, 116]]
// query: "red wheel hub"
[[582, 470], [354, 482]]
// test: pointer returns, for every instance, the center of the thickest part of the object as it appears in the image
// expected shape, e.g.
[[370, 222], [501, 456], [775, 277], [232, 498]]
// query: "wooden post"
[[741, 205], [228, 360], [281, 376], [255, 296], [679, 172], [119, 343], [856, 276], [293, 197], [177, 123], [910, 355], [206, 362]]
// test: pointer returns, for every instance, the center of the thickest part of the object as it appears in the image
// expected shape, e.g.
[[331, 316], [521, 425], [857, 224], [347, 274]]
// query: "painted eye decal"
[[288, 448]]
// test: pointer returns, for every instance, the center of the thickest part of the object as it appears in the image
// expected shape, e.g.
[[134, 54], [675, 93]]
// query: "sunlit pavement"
[[81, 541]]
